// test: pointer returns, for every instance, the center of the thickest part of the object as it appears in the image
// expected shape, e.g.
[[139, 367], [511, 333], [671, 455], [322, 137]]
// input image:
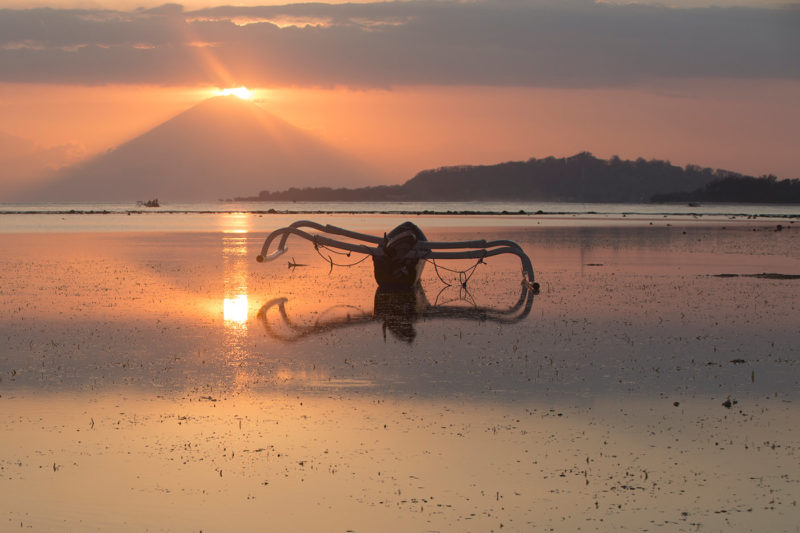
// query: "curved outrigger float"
[[399, 256]]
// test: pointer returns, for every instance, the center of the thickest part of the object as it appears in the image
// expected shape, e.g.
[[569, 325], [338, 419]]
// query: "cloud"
[[573, 43]]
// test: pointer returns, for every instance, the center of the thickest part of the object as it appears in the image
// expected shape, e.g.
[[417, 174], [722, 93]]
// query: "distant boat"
[[149, 203]]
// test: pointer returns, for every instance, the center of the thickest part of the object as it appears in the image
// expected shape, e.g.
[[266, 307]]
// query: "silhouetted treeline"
[[378, 193], [741, 189], [579, 178]]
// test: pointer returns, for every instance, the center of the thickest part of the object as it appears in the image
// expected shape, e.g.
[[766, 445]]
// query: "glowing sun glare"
[[235, 309], [239, 92]]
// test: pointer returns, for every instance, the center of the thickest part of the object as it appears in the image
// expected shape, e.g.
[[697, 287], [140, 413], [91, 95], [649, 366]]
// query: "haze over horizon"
[[406, 86]]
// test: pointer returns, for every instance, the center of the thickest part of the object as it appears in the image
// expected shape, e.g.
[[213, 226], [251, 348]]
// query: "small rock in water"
[[729, 403]]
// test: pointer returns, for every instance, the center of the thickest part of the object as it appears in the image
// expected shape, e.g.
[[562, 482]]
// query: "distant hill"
[[218, 148], [579, 178], [740, 189]]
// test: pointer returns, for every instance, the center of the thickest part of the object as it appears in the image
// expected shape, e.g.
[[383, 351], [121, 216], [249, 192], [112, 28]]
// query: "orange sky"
[[402, 111], [750, 127]]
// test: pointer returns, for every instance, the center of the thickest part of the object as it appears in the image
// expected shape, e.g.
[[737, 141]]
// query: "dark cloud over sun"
[[544, 44]]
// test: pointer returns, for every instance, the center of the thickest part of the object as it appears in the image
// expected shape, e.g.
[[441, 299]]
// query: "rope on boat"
[[463, 275], [330, 260]]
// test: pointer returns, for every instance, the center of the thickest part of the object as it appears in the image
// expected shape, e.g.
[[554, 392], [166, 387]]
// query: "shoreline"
[[242, 221], [464, 212]]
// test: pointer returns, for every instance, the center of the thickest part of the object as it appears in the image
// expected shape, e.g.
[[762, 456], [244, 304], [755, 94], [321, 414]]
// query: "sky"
[[416, 84]]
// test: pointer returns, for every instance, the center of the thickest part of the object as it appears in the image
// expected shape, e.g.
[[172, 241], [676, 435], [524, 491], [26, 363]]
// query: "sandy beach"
[[149, 381]]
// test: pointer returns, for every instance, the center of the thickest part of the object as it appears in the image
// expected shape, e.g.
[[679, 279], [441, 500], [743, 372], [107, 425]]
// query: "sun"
[[239, 92]]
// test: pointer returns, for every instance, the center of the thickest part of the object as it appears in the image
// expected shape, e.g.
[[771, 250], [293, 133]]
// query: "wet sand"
[[140, 388]]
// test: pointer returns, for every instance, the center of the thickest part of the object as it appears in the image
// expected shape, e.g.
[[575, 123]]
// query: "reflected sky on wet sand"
[[168, 381]]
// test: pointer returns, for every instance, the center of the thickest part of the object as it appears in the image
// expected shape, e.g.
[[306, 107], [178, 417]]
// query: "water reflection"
[[396, 310], [235, 265], [235, 303]]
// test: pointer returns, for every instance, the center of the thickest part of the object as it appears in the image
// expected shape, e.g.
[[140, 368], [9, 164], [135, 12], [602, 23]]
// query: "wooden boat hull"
[[394, 265]]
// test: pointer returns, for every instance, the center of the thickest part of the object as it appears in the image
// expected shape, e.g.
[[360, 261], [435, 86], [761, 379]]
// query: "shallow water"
[[142, 389]]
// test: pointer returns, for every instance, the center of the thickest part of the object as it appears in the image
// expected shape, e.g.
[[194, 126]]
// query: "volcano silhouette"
[[220, 148]]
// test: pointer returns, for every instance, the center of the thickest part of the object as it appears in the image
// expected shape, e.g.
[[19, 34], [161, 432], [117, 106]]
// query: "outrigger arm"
[[384, 251]]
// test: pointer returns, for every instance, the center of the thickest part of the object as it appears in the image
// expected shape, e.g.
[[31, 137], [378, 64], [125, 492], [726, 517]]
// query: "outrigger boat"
[[399, 256]]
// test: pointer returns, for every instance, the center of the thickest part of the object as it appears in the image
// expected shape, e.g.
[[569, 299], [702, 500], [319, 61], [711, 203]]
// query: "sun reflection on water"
[[234, 222], [235, 305], [235, 309], [235, 227]]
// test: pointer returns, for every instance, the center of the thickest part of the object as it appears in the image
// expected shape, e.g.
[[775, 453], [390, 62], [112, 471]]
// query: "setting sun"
[[240, 92]]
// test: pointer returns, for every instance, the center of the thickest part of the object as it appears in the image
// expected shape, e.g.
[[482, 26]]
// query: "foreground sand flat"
[[652, 386]]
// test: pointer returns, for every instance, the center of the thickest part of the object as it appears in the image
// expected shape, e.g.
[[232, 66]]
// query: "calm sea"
[[215, 216]]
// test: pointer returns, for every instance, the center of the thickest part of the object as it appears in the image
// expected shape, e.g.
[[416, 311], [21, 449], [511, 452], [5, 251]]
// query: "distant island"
[[740, 189], [579, 178]]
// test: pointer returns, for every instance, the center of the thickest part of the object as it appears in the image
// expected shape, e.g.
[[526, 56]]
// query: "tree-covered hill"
[[579, 178], [740, 189]]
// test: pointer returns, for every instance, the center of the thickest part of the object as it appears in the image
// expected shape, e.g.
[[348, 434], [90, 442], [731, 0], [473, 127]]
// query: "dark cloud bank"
[[565, 44]]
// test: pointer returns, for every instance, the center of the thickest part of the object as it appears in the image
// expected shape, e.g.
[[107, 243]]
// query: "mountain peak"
[[220, 148]]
